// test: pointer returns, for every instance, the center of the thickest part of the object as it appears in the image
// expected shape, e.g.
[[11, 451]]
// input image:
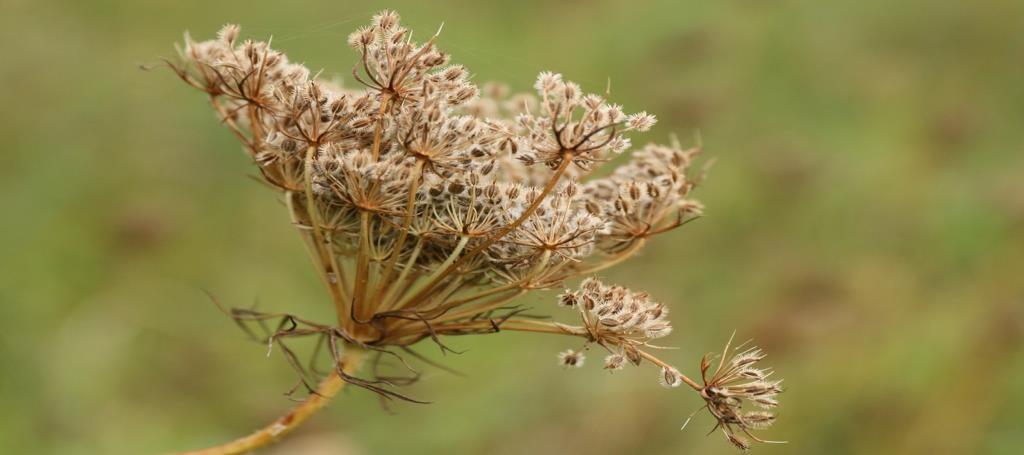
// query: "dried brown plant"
[[428, 206]]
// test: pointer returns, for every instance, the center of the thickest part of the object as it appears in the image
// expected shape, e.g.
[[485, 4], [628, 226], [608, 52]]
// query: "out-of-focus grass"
[[864, 224]]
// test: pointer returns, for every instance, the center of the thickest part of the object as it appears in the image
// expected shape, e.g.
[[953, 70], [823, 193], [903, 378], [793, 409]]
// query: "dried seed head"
[[386, 20], [431, 203], [571, 359], [738, 441], [614, 362], [617, 315], [641, 121], [737, 380], [758, 420], [229, 34], [670, 377], [547, 82], [568, 299]]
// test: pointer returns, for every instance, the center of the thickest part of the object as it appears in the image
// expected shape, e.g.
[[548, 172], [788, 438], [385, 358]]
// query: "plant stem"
[[463, 240], [316, 256], [351, 360], [328, 260], [529, 325], [614, 260], [410, 205]]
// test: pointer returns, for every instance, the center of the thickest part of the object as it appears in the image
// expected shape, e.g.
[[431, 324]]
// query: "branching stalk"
[[351, 360]]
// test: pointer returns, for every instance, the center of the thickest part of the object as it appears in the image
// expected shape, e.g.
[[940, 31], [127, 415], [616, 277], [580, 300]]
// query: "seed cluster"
[[414, 200], [617, 317], [428, 204], [737, 381]]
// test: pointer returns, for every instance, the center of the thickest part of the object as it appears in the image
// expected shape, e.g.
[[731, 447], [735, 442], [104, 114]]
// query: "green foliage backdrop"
[[865, 225]]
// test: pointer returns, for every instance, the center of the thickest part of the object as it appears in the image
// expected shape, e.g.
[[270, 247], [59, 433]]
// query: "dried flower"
[[670, 377], [614, 362], [735, 381], [427, 205], [614, 315], [571, 359]]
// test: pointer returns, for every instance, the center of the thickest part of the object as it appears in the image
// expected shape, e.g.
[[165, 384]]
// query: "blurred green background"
[[865, 224]]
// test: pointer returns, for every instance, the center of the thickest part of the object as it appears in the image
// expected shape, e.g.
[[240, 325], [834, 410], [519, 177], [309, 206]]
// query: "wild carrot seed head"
[[428, 204]]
